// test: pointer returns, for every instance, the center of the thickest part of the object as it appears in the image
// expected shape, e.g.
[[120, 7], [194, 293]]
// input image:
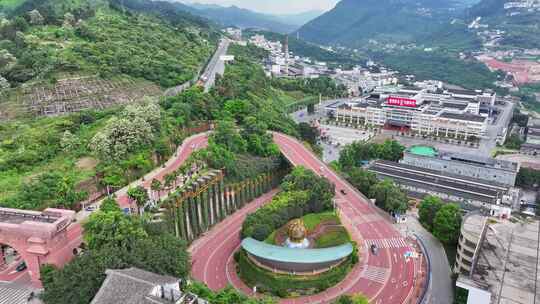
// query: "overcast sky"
[[274, 6]]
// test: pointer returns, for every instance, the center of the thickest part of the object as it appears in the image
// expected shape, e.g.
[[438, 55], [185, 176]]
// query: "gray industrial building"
[[467, 165]]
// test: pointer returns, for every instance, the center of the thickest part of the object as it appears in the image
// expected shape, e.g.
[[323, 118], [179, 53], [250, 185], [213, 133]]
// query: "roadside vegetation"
[[302, 193], [387, 195], [443, 220]]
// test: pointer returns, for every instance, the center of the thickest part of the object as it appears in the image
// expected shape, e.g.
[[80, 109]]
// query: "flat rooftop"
[[464, 117], [478, 160], [437, 181], [13, 216], [462, 92], [508, 261]]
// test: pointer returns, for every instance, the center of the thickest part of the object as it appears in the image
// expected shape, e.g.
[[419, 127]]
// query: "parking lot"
[[338, 137]]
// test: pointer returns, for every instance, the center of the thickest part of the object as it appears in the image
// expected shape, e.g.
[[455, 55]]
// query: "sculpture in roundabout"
[[297, 235]]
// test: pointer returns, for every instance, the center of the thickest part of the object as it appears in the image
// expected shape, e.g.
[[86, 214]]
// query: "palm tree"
[[169, 180], [140, 195], [156, 187]]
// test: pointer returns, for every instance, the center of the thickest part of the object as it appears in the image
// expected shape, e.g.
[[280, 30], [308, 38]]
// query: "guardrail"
[[423, 299]]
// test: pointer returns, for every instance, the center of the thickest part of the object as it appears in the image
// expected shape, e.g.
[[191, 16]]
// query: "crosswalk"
[[387, 243], [10, 295], [375, 274]]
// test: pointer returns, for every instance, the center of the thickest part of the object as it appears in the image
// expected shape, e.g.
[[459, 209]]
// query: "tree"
[[169, 178], [156, 187], [447, 223], [428, 209], [69, 142], [78, 281], [352, 299], [110, 205], [362, 180], [308, 133], [528, 178], [320, 189], [226, 134], [140, 195], [389, 197], [112, 228]]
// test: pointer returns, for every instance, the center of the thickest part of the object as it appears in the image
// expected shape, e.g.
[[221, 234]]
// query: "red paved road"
[[386, 278], [184, 151], [211, 252]]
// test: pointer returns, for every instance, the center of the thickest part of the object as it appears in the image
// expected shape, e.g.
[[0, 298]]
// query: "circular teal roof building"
[[294, 260]]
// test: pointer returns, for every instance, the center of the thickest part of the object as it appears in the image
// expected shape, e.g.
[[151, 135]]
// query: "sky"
[[274, 6]]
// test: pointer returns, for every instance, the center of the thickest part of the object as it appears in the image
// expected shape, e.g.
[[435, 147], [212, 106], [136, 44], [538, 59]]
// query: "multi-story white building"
[[414, 109]]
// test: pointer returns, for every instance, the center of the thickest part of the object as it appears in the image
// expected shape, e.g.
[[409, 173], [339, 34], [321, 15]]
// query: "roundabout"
[[388, 277]]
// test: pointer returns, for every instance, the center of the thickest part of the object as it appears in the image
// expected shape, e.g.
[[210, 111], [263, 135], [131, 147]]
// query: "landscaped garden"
[[302, 214], [323, 230]]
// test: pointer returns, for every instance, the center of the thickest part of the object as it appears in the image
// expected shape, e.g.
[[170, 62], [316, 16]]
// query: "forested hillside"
[[353, 22], [42, 40], [519, 24], [76, 51]]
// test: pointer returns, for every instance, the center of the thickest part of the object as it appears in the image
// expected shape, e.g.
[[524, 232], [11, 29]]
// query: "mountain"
[[354, 22], [242, 18], [519, 22], [300, 18]]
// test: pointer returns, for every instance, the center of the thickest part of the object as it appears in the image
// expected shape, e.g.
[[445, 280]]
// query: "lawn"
[[337, 237], [313, 219]]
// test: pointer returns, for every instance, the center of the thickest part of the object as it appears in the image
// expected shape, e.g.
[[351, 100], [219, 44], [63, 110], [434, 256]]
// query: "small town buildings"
[[137, 286]]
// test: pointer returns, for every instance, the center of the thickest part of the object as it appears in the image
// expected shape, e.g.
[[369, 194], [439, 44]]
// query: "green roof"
[[423, 151], [295, 255]]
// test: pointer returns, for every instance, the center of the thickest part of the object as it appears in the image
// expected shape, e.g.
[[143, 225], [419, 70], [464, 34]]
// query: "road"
[[441, 290], [189, 145], [216, 65], [385, 278]]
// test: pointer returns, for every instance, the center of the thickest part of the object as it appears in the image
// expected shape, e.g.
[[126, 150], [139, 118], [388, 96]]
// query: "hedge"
[[303, 193], [283, 285]]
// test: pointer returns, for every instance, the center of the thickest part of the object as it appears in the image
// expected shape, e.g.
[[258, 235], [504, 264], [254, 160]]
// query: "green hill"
[[45, 39], [519, 24], [353, 22]]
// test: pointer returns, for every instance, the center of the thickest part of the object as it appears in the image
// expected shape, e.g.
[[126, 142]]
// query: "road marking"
[[387, 243], [375, 274], [10, 295]]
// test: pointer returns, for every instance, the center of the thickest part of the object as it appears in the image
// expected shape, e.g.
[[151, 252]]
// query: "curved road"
[[386, 278]]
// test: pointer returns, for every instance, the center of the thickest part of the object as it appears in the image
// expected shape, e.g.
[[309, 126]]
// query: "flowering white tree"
[[69, 141], [35, 17]]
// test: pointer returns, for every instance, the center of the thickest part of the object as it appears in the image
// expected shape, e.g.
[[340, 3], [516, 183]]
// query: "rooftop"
[[294, 255], [507, 264], [464, 117], [441, 182], [132, 285], [462, 92], [423, 151]]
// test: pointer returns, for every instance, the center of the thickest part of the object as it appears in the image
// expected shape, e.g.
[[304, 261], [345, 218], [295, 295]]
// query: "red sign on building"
[[400, 101]]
